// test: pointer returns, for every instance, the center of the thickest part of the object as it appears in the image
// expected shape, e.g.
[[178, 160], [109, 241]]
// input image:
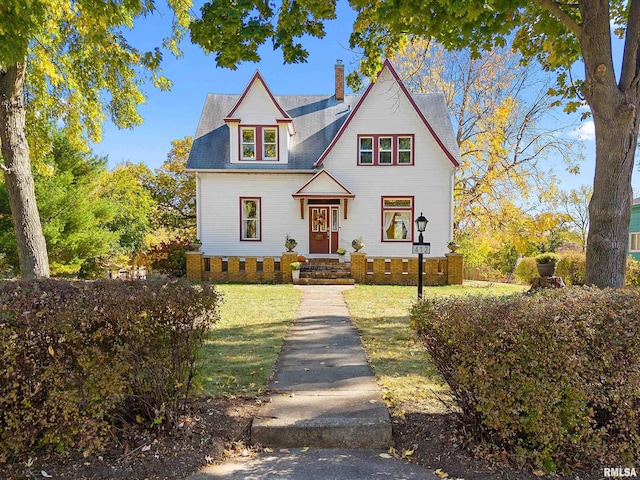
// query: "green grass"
[[239, 355], [408, 381], [241, 350]]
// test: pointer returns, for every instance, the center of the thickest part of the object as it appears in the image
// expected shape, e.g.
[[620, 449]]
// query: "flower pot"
[[453, 248], [357, 248], [546, 269], [290, 246], [295, 274], [341, 258]]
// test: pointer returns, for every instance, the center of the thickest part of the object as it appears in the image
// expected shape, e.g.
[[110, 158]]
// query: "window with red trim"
[[397, 219], [259, 143], [250, 221], [385, 149]]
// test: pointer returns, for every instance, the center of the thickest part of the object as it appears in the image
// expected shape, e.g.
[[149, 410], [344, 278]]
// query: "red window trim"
[[384, 209], [259, 136], [259, 199], [394, 145]]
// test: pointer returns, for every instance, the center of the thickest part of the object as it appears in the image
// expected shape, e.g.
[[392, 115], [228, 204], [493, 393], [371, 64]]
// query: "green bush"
[[526, 270], [552, 377], [547, 258], [572, 268], [80, 357]]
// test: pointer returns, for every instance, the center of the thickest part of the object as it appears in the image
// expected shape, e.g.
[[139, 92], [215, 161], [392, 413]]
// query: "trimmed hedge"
[[80, 357], [552, 377]]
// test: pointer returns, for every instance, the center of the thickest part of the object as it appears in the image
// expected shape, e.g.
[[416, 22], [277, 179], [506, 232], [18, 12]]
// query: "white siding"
[[387, 111], [220, 213]]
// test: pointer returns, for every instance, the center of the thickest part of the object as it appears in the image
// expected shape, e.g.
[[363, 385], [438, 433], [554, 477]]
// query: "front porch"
[[363, 269]]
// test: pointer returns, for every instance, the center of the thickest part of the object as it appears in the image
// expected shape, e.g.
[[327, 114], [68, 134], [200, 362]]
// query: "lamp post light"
[[421, 248]]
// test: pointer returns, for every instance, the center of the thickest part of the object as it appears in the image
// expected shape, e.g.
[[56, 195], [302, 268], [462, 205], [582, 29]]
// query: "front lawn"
[[243, 346]]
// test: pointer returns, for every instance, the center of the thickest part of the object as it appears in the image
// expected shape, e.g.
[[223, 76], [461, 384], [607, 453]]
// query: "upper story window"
[[385, 149], [259, 143], [634, 242]]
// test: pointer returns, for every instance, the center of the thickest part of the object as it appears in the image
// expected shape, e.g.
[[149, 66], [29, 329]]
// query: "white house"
[[324, 169]]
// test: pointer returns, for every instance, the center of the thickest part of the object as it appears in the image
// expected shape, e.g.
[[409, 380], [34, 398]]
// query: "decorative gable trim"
[[387, 64], [258, 78], [340, 190]]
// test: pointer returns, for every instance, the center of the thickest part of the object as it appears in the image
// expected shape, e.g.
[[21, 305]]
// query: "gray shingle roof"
[[316, 119]]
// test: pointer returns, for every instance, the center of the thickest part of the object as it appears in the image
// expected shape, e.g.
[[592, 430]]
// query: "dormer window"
[[269, 144], [248, 136], [259, 143]]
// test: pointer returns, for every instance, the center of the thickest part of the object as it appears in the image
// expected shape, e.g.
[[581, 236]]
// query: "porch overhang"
[[323, 186]]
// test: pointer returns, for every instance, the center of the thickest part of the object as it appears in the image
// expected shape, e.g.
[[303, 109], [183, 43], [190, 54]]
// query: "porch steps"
[[325, 271]]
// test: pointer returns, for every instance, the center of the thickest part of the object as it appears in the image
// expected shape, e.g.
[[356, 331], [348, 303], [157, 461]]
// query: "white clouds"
[[586, 131]]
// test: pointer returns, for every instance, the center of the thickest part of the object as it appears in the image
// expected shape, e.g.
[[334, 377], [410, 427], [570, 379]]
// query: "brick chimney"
[[339, 81]]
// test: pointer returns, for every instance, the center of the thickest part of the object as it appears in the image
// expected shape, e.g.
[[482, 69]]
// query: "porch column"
[[194, 266]]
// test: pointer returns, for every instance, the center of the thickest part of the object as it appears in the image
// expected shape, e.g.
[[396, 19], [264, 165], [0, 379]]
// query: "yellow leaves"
[[51, 351]]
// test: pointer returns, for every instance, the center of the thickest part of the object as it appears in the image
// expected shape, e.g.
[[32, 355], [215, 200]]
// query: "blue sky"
[[173, 115]]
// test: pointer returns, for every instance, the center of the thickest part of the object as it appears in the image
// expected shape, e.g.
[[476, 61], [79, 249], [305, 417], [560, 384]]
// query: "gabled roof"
[[447, 149], [318, 119], [323, 185], [257, 78]]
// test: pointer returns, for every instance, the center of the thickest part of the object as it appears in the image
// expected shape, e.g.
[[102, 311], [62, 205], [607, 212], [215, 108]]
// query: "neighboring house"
[[634, 230], [324, 169]]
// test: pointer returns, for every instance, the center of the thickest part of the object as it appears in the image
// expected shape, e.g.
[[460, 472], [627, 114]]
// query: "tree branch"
[[554, 9], [631, 55]]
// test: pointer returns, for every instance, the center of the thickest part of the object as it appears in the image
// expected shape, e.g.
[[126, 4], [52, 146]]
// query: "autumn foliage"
[[80, 358], [552, 378]]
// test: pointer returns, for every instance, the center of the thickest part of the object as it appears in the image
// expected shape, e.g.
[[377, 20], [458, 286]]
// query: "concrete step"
[[325, 281]]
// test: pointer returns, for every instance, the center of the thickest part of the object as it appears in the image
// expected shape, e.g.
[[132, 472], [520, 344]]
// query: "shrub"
[[548, 258], [553, 377], [572, 268], [526, 270], [79, 357], [170, 258], [632, 274]]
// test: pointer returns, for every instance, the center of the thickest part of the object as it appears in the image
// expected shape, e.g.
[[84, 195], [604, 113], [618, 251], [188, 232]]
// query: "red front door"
[[323, 229], [319, 229]]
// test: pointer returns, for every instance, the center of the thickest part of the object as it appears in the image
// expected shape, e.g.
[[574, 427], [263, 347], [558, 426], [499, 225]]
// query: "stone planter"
[[546, 269], [295, 274]]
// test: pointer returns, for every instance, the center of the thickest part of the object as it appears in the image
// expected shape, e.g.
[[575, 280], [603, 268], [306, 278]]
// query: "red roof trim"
[[387, 64], [347, 194], [257, 77]]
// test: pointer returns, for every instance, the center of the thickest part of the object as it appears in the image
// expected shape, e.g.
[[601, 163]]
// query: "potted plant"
[[547, 263], [295, 270], [290, 243], [194, 245], [453, 246], [357, 244], [341, 253]]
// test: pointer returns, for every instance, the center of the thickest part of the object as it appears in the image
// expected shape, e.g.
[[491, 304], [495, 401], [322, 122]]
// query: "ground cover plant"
[[551, 378]]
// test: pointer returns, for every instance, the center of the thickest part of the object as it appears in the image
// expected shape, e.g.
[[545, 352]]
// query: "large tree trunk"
[[615, 114], [32, 248]]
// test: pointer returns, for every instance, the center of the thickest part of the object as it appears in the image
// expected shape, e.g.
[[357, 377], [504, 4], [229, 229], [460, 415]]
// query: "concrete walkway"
[[324, 398]]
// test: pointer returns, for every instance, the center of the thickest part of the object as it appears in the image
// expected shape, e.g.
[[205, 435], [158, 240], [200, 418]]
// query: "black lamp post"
[[421, 223]]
